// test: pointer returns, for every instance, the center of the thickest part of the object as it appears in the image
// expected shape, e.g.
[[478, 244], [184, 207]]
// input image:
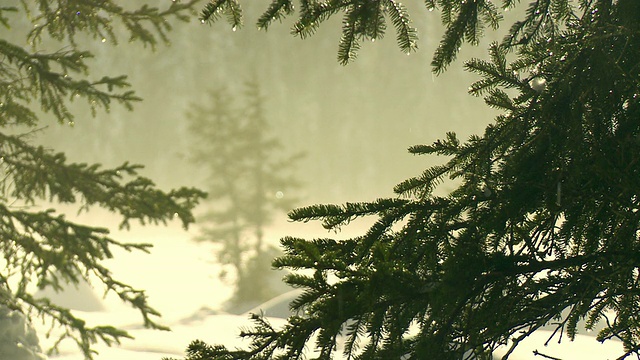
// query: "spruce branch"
[[40, 174], [406, 34], [277, 10], [359, 23], [312, 14], [63, 20], [537, 23], [373, 22], [34, 72], [463, 27], [334, 216], [50, 77], [56, 251], [497, 73], [422, 186], [43, 247], [231, 9], [448, 147], [349, 44]]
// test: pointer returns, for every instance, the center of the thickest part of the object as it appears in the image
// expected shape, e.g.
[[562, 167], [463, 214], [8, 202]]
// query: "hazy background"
[[354, 122]]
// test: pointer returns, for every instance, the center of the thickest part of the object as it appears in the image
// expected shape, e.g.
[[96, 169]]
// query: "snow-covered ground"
[[181, 280], [182, 283], [584, 347]]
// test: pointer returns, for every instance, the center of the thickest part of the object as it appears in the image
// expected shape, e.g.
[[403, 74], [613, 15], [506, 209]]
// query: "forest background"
[[354, 122]]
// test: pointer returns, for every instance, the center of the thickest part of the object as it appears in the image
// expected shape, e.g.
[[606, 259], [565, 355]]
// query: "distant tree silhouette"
[[249, 180]]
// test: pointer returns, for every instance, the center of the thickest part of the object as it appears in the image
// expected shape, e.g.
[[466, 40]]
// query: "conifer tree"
[[542, 228], [39, 78], [248, 182]]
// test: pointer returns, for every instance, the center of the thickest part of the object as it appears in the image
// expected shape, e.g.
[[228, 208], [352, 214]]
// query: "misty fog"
[[354, 122]]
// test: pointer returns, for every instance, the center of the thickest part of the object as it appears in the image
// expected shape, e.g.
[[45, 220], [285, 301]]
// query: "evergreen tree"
[[248, 182], [39, 78], [542, 228]]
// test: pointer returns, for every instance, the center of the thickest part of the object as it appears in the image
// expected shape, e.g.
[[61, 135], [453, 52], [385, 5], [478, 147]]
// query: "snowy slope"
[[182, 283]]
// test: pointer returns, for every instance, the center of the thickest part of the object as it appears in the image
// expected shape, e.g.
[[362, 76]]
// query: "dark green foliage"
[[362, 20], [464, 21], [542, 228], [249, 181], [276, 11], [230, 8], [43, 247]]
